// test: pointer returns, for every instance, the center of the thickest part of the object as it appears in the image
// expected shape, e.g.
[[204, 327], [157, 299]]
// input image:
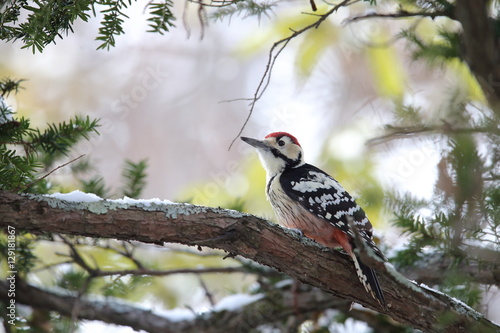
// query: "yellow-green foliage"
[[388, 74], [218, 191], [467, 80], [312, 45]]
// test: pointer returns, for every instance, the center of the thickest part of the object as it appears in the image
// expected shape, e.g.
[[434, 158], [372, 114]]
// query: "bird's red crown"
[[280, 134]]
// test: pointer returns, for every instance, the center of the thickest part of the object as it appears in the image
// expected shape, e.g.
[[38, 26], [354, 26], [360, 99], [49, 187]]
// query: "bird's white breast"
[[291, 214]]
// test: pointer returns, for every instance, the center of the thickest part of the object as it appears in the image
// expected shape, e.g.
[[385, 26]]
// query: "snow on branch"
[[242, 234]]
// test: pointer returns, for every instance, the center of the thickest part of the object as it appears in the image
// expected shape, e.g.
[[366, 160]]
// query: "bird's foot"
[[298, 232]]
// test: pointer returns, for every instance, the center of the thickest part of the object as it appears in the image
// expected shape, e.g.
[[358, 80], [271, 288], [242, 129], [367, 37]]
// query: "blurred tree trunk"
[[481, 46]]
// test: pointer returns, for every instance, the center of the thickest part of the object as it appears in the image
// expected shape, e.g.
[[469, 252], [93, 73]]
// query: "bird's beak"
[[255, 143]]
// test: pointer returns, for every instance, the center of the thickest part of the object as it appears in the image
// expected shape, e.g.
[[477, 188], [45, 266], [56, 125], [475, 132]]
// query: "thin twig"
[[279, 46], [127, 252], [185, 22], [48, 174], [49, 266], [201, 18], [75, 311], [209, 295], [236, 100], [410, 131], [152, 272], [214, 3], [24, 143], [400, 14], [96, 272], [77, 258]]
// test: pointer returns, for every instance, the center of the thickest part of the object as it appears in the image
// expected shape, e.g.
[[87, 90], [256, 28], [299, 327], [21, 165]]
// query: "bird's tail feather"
[[369, 279]]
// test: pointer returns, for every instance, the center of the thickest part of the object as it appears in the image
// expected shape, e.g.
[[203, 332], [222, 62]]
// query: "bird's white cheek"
[[272, 164]]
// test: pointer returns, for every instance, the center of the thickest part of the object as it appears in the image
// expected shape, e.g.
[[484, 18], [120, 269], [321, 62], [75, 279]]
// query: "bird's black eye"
[[281, 143]]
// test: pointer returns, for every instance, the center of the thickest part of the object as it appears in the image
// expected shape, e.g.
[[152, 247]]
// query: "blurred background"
[[167, 98], [179, 100]]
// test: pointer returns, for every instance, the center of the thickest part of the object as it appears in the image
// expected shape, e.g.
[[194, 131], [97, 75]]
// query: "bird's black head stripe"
[[296, 161], [289, 162]]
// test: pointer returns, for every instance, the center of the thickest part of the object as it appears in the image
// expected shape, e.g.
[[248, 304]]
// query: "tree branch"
[[400, 14], [474, 270], [97, 272], [411, 131], [245, 235], [272, 306]]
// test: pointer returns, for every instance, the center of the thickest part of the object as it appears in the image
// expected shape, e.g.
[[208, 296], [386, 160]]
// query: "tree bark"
[[248, 236]]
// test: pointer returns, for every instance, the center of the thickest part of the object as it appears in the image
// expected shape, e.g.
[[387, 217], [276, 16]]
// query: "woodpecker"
[[306, 198]]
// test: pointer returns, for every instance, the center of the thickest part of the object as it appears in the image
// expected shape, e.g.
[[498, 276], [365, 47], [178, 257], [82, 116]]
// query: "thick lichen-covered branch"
[[245, 235]]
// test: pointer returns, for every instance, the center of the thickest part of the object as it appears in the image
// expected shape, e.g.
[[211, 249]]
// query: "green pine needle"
[[161, 17], [134, 175]]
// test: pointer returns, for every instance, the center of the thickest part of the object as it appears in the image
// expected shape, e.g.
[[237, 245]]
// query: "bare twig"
[[127, 252], [77, 258], [275, 51], [152, 272], [202, 18], [96, 272], [48, 174], [75, 310], [209, 295], [185, 22], [49, 266], [410, 131], [216, 4], [23, 143], [400, 14]]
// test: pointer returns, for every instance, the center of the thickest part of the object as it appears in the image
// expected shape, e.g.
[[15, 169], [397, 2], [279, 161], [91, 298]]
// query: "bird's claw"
[[299, 232]]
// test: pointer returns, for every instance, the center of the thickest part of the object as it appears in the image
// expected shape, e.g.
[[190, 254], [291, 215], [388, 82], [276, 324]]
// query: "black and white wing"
[[324, 197]]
